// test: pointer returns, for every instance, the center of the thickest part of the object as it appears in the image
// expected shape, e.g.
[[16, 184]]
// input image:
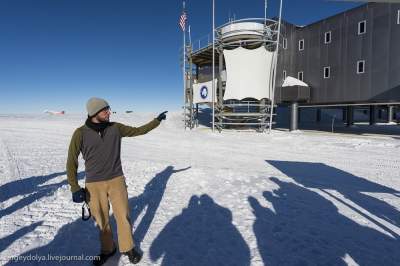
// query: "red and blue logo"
[[204, 92]]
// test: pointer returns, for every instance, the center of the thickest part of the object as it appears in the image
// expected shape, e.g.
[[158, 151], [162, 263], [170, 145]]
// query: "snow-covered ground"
[[198, 198]]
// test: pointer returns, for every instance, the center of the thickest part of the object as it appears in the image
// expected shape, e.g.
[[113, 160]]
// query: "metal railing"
[[270, 31], [202, 43]]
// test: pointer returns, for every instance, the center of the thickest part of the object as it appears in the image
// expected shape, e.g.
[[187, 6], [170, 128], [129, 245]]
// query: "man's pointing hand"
[[162, 116]]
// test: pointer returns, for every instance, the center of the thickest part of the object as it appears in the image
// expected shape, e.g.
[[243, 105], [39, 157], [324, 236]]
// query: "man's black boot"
[[134, 256], [102, 258]]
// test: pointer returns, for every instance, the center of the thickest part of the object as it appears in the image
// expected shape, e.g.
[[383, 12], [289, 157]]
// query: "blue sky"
[[55, 54]]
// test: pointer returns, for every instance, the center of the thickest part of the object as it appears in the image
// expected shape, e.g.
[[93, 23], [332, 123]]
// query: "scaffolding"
[[251, 34]]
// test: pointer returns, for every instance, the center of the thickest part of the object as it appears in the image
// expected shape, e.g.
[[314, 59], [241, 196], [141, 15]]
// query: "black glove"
[[162, 116], [79, 196]]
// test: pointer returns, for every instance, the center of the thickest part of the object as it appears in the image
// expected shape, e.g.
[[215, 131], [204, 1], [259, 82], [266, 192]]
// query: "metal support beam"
[[350, 116], [344, 114], [275, 68], [347, 104], [191, 89], [220, 68], [197, 114], [298, 115], [294, 116], [318, 115], [263, 104], [390, 113], [184, 72], [197, 105], [213, 66], [372, 114]]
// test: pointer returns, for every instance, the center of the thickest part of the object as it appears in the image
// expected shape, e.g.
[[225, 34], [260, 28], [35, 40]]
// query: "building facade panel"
[[369, 33]]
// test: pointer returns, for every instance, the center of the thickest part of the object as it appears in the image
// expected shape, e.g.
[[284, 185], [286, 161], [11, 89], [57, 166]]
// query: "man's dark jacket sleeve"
[[72, 161]]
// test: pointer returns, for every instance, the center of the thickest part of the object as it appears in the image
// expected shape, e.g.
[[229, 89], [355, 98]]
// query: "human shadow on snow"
[[33, 189], [8, 240], [304, 228], [149, 200], [81, 238], [203, 234], [25, 186], [324, 177]]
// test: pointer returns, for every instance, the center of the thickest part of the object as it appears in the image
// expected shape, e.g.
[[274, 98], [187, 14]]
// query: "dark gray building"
[[349, 61], [350, 58]]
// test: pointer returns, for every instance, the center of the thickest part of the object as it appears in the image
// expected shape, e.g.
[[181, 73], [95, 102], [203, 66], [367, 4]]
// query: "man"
[[99, 141]]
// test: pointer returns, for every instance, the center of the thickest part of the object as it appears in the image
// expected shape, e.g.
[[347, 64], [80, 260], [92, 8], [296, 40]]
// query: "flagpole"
[[190, 36], [265, 12], [213, 67], [184, 71], [275, 66]]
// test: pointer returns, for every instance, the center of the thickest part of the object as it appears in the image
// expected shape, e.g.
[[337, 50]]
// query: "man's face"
[[104, 115]]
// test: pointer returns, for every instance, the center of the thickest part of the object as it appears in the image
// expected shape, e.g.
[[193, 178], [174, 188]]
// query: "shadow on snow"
[[32, 190], [81, 238], [203, 234], [324, 177], [304, 228]]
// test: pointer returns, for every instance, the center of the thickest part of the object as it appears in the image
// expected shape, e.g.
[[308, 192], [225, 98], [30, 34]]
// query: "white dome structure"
[[242, 30]]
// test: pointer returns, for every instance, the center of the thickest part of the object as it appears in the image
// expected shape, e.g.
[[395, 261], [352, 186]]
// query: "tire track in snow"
[[50, 212], [13, 165]]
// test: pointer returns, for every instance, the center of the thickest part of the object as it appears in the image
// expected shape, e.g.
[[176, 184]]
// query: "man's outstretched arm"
[[128, 131]]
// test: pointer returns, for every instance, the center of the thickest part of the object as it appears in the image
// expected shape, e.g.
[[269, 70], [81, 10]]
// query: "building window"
[[301, 45], [284, 43], [328, 36], [327, 72], [284, 74], [398, 17], [362, 27], [360, 66], [300, 75]]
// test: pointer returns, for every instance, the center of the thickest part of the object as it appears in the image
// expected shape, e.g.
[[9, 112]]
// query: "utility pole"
[[213, 67]]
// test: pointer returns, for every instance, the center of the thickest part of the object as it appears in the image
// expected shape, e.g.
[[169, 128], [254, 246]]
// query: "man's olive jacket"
[[101, 152]]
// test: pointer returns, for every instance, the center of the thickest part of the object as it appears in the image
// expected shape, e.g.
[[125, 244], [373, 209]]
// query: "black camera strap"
[[86, 214]]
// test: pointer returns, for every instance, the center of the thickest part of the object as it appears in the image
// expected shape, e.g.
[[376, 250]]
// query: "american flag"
[[182, 21]]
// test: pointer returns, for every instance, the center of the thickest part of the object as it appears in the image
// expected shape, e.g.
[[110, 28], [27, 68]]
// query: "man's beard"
[[103, 120]]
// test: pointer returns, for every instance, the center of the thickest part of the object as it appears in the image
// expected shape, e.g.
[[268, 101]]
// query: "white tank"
[[242, 30]]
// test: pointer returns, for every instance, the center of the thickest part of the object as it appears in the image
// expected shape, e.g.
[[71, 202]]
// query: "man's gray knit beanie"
[[94, 105]]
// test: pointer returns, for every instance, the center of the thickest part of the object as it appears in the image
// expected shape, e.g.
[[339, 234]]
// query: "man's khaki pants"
[[101, 194]]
